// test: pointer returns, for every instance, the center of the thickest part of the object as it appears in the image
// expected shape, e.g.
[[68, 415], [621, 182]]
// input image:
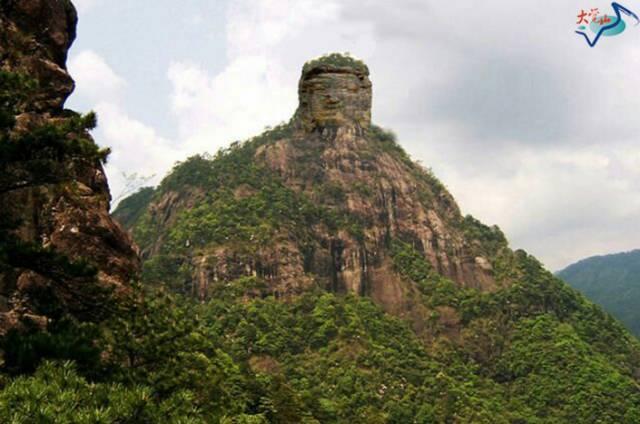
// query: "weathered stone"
[[72, 217], [334, 96], [331, 143]]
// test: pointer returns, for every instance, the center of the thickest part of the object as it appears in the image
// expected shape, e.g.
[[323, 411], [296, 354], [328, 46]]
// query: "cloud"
[[530, 128], [84, 6], [267, 43], [95, 80], [136, 147]]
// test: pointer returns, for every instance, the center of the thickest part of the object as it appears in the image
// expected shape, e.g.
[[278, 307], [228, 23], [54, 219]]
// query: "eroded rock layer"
[[67, 215], [319, 201]]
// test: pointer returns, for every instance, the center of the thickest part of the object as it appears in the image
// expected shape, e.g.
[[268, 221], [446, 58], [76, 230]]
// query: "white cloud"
[[95, 80], [530, 128], [84, 6], [267, 43], [136, 147], [238, 103]]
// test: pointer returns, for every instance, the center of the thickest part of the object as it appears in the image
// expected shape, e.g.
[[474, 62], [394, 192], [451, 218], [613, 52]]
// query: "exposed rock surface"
[[71, 217], [331, 146], [333, 117], [35, 38]]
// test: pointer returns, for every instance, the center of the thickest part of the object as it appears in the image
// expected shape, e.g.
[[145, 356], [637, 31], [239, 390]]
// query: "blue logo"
[[603, 25]]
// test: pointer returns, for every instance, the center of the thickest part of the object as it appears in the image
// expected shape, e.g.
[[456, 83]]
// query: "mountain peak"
[[334, 91], [338, 201]]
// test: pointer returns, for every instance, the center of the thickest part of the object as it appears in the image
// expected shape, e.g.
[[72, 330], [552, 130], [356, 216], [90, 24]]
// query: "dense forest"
[[537, 352], [611, 281]]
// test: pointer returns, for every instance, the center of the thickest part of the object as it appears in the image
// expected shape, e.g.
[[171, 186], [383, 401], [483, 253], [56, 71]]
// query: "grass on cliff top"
[[338, 60]]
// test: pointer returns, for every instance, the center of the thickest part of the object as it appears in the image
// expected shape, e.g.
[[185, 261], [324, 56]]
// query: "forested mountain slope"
[[311, 229], [611, 281]]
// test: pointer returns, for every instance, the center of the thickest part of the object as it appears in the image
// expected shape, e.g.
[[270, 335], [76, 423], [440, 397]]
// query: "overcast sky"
[[528, 127]]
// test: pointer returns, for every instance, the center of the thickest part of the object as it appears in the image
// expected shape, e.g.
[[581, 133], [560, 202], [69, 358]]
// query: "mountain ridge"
[[610, 281], [315, 218]]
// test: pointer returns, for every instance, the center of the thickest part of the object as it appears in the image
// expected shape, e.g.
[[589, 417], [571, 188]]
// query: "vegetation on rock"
[[336, 60]]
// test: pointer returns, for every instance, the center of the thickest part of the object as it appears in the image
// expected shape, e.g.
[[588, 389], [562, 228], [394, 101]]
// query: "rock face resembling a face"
[[35, 36], [334, 96]]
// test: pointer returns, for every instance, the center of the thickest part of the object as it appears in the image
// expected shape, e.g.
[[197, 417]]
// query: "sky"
[[527, 126]]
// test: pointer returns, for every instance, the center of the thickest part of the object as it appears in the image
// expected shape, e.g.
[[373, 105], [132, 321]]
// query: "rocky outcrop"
[[393, 196], [35, 37], [69, 217], [331, 154], [332, 96]]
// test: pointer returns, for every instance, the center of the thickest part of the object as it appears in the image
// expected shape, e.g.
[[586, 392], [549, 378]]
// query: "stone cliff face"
[[394, 199], [332, 155], [69, 216], [35, 38], [333, 96]]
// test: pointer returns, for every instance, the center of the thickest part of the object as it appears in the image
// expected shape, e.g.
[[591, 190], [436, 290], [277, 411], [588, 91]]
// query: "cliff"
[[323, 200], [58, 237]]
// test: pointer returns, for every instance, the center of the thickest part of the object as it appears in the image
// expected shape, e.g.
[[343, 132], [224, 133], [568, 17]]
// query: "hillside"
[[328, 208], [611, 281], [311, 274]]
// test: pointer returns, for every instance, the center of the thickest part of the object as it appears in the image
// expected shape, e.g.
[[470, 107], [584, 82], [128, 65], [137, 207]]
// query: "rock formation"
[[68, 216], [331, 155]]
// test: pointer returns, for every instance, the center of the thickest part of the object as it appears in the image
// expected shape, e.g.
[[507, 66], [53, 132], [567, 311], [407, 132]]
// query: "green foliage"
[[436, 290], [41, 155], [133, 207], [64, 339], [44, 154], [321, 358], [14, 89], [160, 343], [611, 281], [56, 393], [338, 60], [491, 239], [548, 361], [230, 167], [253, 219], [344, 359]]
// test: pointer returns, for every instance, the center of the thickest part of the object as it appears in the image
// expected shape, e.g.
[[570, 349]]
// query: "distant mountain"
[[612, 281]]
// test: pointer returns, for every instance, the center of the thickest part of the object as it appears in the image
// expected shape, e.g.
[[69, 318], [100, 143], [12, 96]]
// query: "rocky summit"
[[368, 195], [285, 237]]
